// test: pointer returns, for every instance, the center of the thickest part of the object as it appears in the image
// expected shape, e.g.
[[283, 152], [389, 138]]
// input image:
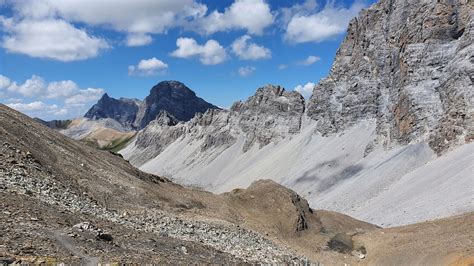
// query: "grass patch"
[[118, 144]]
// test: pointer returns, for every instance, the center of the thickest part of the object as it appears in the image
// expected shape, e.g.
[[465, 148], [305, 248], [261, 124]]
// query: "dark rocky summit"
[[122, 110], [171, 96]]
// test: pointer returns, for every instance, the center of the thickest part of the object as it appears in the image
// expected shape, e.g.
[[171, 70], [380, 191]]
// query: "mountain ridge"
[[171, 96]]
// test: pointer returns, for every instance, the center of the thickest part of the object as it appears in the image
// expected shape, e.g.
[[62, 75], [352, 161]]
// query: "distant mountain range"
[[170, 96]]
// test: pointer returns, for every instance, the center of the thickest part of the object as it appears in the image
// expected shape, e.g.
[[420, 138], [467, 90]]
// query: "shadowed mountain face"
[[122, 110], [170, 96], [173, 97]]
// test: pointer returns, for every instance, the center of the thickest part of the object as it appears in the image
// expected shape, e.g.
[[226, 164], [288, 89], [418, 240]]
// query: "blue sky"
[[58, 57]]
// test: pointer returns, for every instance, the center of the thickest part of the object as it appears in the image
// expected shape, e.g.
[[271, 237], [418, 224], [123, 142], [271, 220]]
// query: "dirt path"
[[66, 243]]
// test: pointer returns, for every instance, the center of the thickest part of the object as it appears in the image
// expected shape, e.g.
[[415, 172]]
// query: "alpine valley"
[[376, 167]]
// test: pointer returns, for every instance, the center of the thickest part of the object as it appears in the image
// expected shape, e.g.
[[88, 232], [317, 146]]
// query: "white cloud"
[[60, 89], [211, 53], [309, 60], [55, 100], [282, 66], [32, 87], [247, 50], [138, 39], [246, 71], [148, 67], [38, 108], [251, 15], [14, 100], [82, 97], [319, 26], [305, 90], [138, 16], [50, 38], [4, 82], [33, 106]]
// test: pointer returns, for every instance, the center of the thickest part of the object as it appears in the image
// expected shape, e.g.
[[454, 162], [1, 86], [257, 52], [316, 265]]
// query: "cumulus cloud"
[[138, 16], [50, 38], [282, 66], [138, 39], [309, 60], [60, 89], [246, 50], [251, 15], [305, 90], [32, 87], [211, 53], [148, 67], [52, 100], [246, 71], [38, 108], [306, 25], [4, 82], [81, 97]]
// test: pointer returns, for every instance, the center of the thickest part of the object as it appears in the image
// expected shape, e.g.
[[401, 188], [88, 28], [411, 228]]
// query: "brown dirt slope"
[[447, 241]]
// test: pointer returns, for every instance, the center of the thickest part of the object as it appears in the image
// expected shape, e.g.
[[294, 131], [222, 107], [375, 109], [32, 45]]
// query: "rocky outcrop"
[[408, 65], [122, 110], [270, 114], [174, 97]]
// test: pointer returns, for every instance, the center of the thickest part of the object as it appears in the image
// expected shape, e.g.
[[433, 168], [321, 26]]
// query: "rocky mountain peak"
[[171, 87], [104, 97], [179, 102], [272, 98], [165, 119], [173, 97], [122, 110]]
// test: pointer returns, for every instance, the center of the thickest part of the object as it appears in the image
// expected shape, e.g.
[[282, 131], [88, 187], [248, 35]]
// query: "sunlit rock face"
[[410, 66]]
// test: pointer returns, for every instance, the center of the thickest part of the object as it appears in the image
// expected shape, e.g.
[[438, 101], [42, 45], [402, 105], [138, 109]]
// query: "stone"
[[104, 237]]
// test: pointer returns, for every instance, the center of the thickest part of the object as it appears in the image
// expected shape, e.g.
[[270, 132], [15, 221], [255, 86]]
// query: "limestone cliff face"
[[409, 65], [270, 114]]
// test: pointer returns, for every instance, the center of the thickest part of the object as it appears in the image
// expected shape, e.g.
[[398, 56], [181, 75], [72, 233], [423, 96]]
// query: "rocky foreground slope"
[[386, 137], [63, 201]]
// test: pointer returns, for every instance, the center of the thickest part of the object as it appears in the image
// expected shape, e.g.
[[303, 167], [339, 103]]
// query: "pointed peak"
[[105, 96]]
